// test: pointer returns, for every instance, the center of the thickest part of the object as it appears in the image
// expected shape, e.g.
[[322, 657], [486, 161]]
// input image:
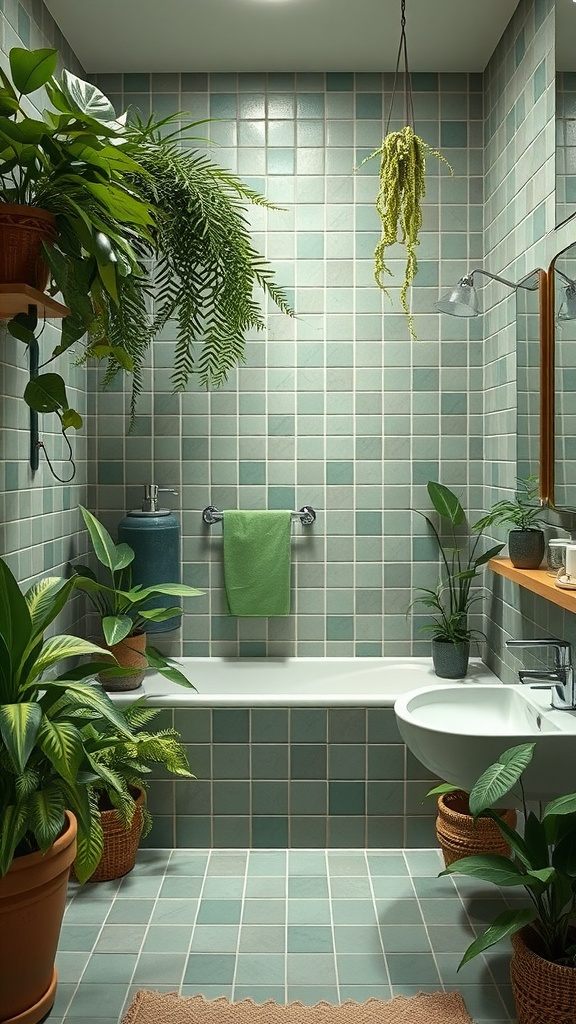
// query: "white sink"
[[458, 731]]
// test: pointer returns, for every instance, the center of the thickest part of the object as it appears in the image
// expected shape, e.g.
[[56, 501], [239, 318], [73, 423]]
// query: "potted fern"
[[133, 212], [453, 598], [120, 790], [124, 610], [48, 817], [523, 513]]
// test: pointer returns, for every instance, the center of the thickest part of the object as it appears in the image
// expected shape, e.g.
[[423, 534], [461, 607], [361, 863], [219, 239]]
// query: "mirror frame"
[[548, 396]]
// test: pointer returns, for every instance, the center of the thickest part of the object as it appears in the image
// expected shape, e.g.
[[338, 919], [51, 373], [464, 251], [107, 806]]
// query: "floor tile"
[[268, 924]]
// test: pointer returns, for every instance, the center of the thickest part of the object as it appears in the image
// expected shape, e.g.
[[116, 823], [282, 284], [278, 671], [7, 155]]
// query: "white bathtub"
[[249, 682]]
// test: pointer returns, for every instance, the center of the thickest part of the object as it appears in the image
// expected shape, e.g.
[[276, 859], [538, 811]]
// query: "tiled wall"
[[336, 408], [565, 145], [39, 522], [519, 211], [292, 777]]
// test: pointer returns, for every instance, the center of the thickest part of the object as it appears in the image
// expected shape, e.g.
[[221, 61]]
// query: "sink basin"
[[458, 731]]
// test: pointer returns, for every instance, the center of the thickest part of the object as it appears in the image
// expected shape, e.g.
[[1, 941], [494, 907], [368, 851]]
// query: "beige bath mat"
[[170, 1008]]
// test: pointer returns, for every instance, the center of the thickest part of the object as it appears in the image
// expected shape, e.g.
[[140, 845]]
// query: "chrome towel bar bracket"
[[306, 515]]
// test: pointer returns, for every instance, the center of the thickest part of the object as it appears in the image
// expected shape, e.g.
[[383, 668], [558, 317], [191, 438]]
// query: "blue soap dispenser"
[[153, 533]]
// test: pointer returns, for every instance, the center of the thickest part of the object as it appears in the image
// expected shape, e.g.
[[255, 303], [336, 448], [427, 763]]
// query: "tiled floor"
[[297, 924]]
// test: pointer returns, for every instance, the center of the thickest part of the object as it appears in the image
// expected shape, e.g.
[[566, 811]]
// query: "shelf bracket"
[[34, 357]]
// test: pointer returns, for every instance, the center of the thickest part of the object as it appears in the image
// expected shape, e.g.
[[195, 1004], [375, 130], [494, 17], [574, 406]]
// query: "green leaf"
[[160, 614], [113, 556], [544, 875], [57, 648], [46, 599], [564, 855], [446, 503], [46, 393], [444, 787], [89, 850], [536, 841], [491, 553], [15, 624], [14, 825], [62, 744], [86, 98], [19, 724], [499, 778], [47, 815], [174, 589], [31, 69], [71, 418], [116, 628], [167, 667], [19, 327], [505, 924], [490, 867], [562, 805], [84, 695]]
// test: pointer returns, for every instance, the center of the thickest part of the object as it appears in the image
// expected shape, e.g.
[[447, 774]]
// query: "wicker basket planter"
[[120, 844], [460, 835], [22, 231], [544, 992]]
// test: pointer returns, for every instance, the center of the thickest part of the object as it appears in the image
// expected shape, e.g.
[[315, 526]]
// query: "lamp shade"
[[461, 300]]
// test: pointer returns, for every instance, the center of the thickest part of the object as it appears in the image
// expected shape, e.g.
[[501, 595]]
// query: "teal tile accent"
[[369, 523], [369, 105], [309, 939], [269, 831], [230, 725], [339, 82], [308, 798], [339, 627], [308, 725], [210, 968], [229, 797], [346, 797], [347, 725], [252, 473], [308, 761], [453, 134], [270, 798], [269, 725], [339, 473], [540, 79]]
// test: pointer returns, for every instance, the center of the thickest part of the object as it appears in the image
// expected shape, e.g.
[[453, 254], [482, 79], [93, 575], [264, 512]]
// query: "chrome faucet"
[[561, 680]]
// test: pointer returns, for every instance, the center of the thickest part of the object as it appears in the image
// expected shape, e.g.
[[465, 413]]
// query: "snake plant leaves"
[[499, 778], [31, 69]]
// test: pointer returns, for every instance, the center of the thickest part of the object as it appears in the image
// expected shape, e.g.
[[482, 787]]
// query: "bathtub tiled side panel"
[[292, 777]]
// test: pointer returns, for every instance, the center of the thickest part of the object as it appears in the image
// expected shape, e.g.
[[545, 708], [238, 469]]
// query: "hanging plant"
[[402, 185]]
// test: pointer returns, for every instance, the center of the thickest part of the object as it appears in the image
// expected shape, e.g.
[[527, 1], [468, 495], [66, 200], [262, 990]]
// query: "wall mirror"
[[559, 383], [531, 311], [565, 53]]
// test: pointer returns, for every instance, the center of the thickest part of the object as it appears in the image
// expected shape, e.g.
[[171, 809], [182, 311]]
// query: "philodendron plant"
[[123, 609], [544, 862], [48, 727]]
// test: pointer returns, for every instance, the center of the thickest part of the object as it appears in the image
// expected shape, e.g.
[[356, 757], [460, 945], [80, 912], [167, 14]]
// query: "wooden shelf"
[[17, 298], [537, 581]]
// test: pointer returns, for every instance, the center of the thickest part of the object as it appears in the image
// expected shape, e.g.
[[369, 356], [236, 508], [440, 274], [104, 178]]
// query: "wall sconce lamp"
[[567, 309], [462, 300]]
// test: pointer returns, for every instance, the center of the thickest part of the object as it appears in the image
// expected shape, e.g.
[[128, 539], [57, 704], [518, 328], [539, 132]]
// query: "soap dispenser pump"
[[153, 533]]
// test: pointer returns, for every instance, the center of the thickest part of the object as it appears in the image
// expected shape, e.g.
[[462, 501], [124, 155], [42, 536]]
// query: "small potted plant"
[[47, 816], [120, 790], [543, 967], [453, 598], [124, 610], [526, 540]]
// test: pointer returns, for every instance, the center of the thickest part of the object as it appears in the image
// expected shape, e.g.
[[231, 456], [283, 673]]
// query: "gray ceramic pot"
[[526, 548], [450, 659]]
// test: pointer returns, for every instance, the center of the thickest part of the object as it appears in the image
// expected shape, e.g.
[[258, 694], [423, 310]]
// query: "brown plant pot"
[[544, 992], [461, 835], [129, 653], [32, 902], [22, 231], [120, 843]]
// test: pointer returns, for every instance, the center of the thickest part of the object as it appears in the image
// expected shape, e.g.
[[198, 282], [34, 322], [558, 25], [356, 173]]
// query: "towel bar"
[[306, 515]]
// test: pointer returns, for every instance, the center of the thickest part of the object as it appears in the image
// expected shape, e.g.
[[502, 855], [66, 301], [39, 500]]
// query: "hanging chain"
[[402, 53]]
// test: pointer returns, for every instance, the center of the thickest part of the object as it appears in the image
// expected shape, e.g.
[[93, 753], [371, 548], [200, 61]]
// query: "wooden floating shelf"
[[17, 298], [537, 581]]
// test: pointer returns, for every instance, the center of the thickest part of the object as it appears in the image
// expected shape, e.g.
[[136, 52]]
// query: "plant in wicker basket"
[[462, 835], [119, 791], [543, 968]]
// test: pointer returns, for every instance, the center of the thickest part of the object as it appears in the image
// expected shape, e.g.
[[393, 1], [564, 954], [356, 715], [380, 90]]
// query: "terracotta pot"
[[461, 835], [120, 843], [32, 902], [129, 653], [22, 231], [544, 992]]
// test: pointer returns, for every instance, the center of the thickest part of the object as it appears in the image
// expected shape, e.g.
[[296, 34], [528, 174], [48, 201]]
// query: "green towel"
[[257, 562]]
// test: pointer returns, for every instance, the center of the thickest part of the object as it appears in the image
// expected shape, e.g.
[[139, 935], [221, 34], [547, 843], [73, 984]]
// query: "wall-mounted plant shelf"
[[17, 298], [537, 581]]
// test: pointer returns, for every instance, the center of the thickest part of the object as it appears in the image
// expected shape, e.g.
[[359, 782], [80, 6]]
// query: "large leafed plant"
[[50, 728], [148, 230]]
